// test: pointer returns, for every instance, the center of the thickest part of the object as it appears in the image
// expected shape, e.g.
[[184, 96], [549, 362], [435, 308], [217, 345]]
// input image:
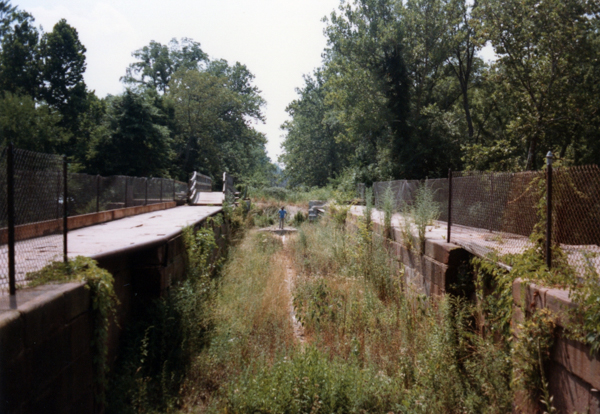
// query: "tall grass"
[[350, 301], [250, 319], [372, 346]]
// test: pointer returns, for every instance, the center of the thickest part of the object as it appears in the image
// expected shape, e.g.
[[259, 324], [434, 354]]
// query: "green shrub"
[[313, 382]]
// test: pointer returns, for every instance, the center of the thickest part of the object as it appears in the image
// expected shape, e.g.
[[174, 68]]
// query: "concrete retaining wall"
[[45, 332], [573, 374]]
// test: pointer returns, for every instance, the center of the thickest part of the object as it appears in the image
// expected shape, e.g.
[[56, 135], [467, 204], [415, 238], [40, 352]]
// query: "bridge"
[[132, 226]]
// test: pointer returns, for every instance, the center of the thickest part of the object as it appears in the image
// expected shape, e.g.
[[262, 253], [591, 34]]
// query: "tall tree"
[[213, 118], [463, 48], [63, 64], [133, 140], [157, 63], [543, 49], [7, 15], [19, 62], [312, 155]]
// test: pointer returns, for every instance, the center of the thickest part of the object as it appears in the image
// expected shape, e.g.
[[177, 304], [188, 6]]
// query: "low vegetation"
[[364, 335]]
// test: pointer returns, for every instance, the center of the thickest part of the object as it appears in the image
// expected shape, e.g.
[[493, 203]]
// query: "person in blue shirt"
[[282, 214]]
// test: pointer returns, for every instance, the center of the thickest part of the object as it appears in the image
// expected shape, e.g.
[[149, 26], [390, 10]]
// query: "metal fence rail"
[[36, 196], [497, 212]]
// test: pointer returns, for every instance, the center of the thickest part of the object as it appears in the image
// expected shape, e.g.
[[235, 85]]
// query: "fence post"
[[65, 208], [449, 204], [98, 193], [58, 193], [549, 158], [161, 189], [10, 181], [146, 195], [126, 190]]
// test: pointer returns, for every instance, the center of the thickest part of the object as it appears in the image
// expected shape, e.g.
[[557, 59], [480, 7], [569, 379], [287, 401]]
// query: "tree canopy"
[[181, 111], [408, 95]]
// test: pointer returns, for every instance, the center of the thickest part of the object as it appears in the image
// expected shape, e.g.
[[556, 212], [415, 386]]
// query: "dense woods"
[[403, 91], [180, 112]]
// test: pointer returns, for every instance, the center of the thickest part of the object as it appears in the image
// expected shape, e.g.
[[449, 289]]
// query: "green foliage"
[[313, 382], [338, 213], [535, 337], [63, 57], [157, 63], [388, 206], [28, 125], [133, 133], [211, 110], [301, 195], [352, 306], [159, 349], [312, 154], [424, 211], [298, 219], [276, 193], [368, 211], [104, 302]]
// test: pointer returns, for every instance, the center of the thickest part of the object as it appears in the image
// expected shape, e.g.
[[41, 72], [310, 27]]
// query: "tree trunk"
[[467, 112]]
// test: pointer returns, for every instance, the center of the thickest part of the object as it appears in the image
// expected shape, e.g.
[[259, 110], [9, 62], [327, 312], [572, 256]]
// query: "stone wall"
[[45, 332], [573, 373]]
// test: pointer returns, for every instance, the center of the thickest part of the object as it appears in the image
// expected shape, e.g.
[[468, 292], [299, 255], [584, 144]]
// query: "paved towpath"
[[130, 232]]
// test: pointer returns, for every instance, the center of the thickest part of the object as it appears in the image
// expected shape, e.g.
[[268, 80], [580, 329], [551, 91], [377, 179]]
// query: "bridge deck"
[[208, 199], [131, 232]]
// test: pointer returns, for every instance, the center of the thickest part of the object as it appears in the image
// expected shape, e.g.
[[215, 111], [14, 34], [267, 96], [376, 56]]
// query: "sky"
[[278, 40]]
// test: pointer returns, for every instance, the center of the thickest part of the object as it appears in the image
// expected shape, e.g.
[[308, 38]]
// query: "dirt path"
[[290, 278]]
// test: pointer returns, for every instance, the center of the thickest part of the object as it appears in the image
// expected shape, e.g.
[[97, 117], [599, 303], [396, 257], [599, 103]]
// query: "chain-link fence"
[[32, 206], [36, 195], [498, 212]]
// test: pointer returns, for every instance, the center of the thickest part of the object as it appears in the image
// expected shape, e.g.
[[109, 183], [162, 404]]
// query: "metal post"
[[449, 204], [65, 209], [126, 190], [146, 196], [161, 189], [98, 193], [549, 158], [58, 192], [11, 219], [491, 207]]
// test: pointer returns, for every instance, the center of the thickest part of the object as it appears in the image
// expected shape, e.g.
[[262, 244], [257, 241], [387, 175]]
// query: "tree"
[[214, 134], [543, 50], [132, 140], [157, 63], [63, 64], [28, 125], [463, 48], [19, 62], [7, 15], [312, 155]]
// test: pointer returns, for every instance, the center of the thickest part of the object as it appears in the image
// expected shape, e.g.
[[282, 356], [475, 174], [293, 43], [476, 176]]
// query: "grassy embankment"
[[371, 346]]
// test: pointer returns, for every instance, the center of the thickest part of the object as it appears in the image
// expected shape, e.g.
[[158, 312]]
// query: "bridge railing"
[[38, 194], [198, 183], [499, 211]]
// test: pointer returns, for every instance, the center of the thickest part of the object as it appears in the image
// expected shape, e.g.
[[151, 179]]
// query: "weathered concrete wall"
[[432, 273], [45, 332], [573, 373]]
